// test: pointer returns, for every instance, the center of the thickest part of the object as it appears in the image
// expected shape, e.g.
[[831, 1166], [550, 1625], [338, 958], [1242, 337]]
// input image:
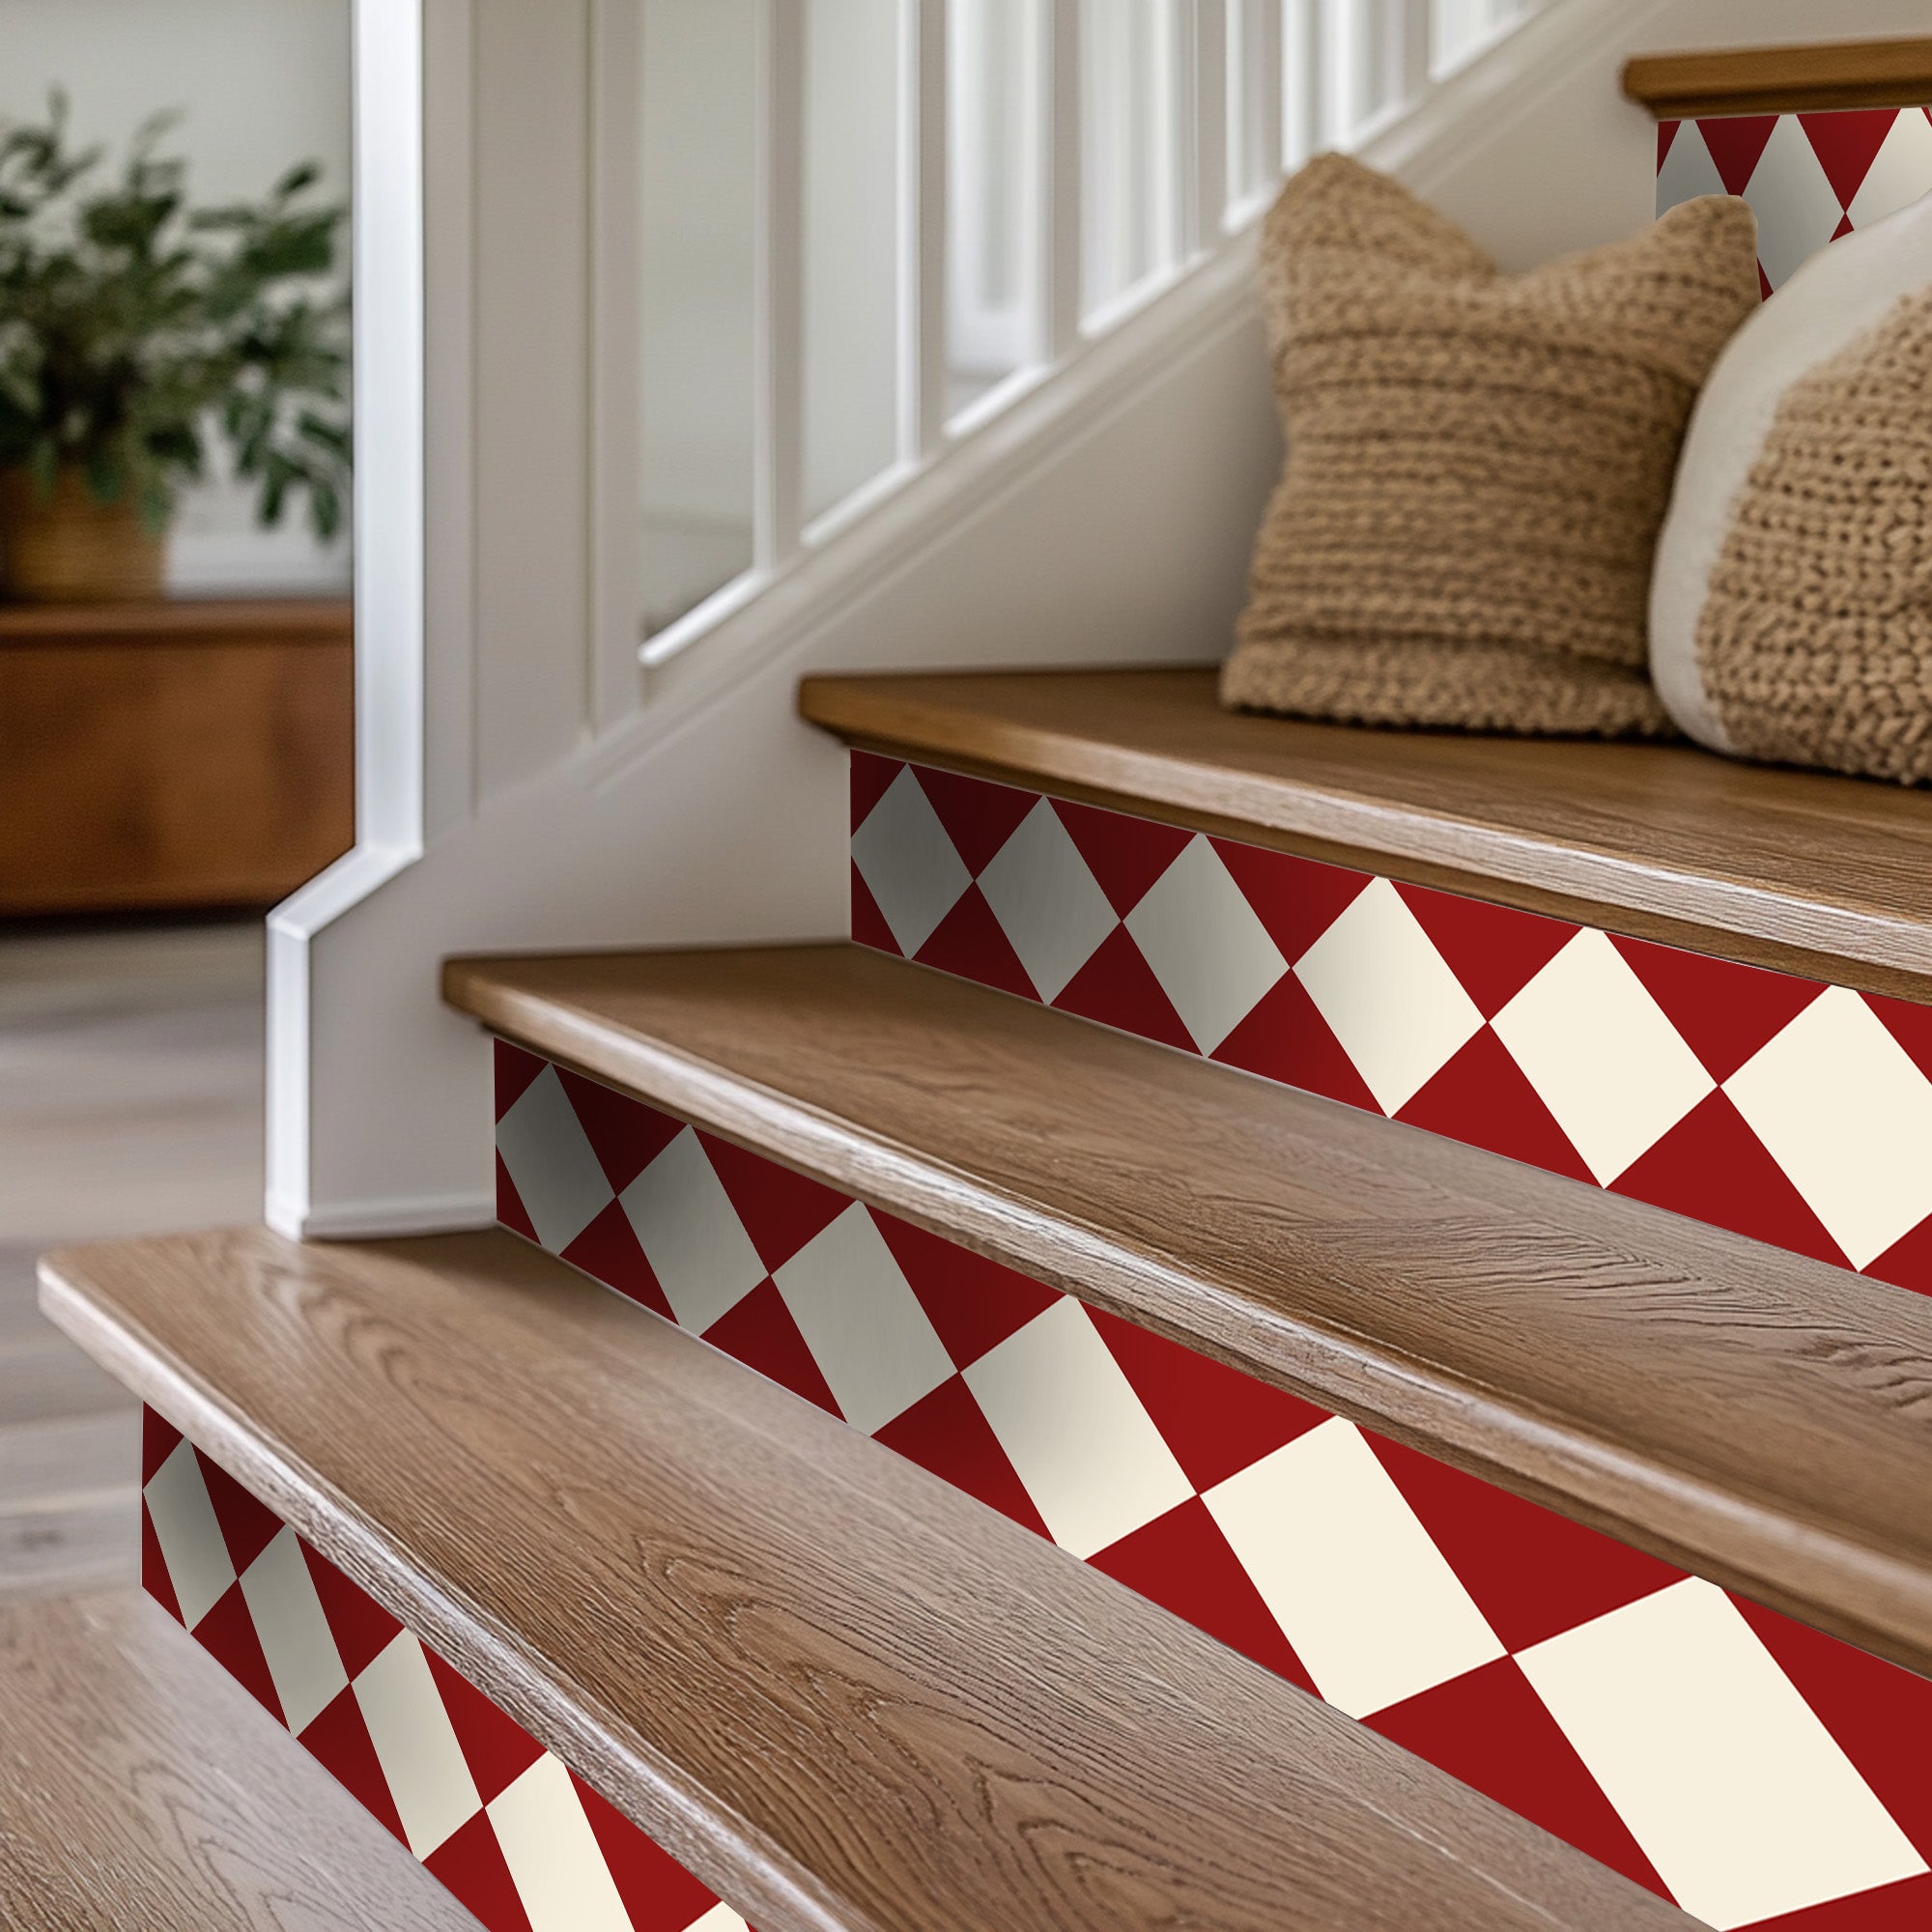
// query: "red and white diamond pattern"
[[1809, 177], [1752, 1769], [519, 1838], [1796, 1113]]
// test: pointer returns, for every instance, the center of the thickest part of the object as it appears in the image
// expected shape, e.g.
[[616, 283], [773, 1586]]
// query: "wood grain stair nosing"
[[1793, 1558], [1517, 1875], [1597, 885]]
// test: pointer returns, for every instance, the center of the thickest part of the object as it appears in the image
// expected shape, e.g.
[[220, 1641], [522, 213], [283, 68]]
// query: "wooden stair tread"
[[842, 1693], [140, 1785], [1800, 870], [1752, 1414]]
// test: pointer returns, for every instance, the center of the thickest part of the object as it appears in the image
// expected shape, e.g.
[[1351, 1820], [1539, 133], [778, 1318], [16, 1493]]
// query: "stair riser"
[[518, 1839], [1570, 1677], [1793, 1112]]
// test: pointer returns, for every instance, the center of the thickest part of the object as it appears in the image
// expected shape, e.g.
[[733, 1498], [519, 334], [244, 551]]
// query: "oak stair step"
[[1748, 1413], [1804, 872], [141, 1786], [837, 1692]]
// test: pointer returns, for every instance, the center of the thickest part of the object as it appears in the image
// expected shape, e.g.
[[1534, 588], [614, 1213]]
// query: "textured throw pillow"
[[1791, 615], [1477, 464]]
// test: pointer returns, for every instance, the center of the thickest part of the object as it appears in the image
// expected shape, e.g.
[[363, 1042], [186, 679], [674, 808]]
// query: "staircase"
[[1302, 1328]]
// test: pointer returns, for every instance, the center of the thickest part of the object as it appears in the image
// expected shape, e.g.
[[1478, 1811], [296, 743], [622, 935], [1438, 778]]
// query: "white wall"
[[262, 84], [707, 812]]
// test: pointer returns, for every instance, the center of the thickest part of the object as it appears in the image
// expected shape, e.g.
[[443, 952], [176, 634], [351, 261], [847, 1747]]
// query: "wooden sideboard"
[[172, 754]]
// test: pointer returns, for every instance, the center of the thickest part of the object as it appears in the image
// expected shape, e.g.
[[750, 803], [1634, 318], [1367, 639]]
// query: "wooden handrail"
[[1783, 80]]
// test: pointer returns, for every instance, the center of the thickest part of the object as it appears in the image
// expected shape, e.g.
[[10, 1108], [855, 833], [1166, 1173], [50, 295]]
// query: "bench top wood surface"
[[142, 1787], [1750, 1413], [1802, 870], [843, 1694]]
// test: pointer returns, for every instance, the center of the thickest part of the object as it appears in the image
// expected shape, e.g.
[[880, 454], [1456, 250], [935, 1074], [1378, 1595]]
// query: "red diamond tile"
[[1846, 142], [973, 1303], [227, 1633], [159, 1439], [1494, 950], [1297, 899], [1737, 142], [470, 1863], [760, 1333], [1482, 1099], [1909, 1024], [1839, 233], [362, 1629], [1725, 1010], [869, 922], [1489, 1728], [1908, 1263], [1763, 284], [1117, 988], [870, 777], [1667, 133], [971, 942], [154, 1578], [1215, 1419], [496, 1748], [1710, 1167], [339, 1741], [1531, 1571], [1904, 1907], [624, 1134], [658, 1893], [979, 816], [1182, 1562], [948, 1434], [247, 1527], [1125, 854], [514, 1069], [510, 1209], [1286, 1039], [607, 1251], [1879, 1714], [781, 1211]]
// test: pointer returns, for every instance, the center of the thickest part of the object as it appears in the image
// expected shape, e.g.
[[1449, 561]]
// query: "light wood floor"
[[131, 1101]]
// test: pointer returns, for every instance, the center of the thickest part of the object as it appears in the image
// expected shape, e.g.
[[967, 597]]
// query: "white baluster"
[[923, 227], [778, 385]]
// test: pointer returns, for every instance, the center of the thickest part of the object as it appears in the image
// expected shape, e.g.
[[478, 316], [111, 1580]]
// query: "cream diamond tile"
[[1688, 170], [1848, 1117], [1901, 171], [556, 1173], [1198, 934], [287, 1614], [422, 1763], [1793, 199], [908, 863], [190, 1536], [1737, 1793], [1378, 980], [560, 1872], [1600, 1051], [1070, 1423], [1348, 1571], [1047, 901], [864, 1328], [691, 1235]]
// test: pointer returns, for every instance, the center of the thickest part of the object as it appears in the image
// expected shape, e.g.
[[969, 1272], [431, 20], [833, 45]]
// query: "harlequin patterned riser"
[[1809, 177], [1787, 1110], [1755, 1771], [521, 1840]]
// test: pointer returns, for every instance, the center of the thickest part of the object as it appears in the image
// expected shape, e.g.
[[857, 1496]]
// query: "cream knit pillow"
[[1477, 465], [1791, 615]]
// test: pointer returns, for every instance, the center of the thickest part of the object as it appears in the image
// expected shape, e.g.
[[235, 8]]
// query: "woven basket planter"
[[66, 547]]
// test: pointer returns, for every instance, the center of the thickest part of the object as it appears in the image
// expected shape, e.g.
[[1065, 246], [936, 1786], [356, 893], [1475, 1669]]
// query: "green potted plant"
[[131, 328]]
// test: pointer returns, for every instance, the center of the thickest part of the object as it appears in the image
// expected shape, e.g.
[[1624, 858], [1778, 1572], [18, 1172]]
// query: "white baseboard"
[[376, 1219]]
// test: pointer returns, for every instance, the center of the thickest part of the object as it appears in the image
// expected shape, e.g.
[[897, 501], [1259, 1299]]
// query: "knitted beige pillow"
[[1477, 465], [1791, 613]]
